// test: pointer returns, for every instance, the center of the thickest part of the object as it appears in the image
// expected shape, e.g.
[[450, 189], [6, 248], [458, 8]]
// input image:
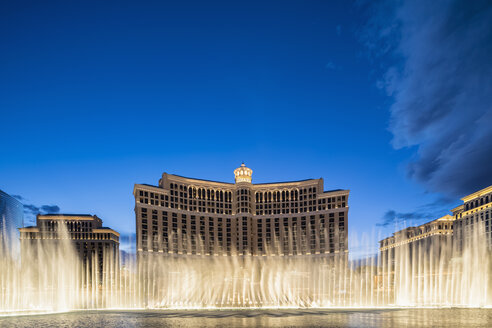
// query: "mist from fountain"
[[51, 277]]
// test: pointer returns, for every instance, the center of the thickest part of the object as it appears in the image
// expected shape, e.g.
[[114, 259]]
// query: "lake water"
[[449, 317]]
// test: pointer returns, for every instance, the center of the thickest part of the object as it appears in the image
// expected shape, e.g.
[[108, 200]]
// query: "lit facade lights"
[[186, 216]]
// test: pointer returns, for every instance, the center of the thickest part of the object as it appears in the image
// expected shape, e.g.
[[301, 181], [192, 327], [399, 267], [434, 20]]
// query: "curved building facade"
[[11, 218], [185, 216]]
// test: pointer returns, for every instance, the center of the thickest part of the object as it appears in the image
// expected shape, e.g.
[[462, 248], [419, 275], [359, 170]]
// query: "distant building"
[[92, 242], [11, 219], [201, 217], [433, 252], [473, 218], [421, 252], [434, 236]]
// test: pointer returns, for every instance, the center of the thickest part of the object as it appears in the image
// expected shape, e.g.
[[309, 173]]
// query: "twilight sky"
[[391, 100]]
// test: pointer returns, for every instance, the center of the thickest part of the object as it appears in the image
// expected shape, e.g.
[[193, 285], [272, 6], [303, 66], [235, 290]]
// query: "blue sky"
[[97, 96]]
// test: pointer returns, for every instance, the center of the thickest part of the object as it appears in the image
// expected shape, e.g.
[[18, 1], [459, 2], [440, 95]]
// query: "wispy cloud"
[[18, 197], [30, 210], [338, 29], [391, 217], [426, 212], [437, 68], [50, 209], [43, 209], [331, 65]]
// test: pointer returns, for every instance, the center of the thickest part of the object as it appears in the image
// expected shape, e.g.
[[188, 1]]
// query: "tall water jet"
[[54, 278]]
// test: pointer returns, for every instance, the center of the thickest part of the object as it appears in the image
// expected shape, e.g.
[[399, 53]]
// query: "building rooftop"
[[242, 174], [280, 182], [446, 217], [230, 183], [180, 176], [148, 185], [66, 214], [333, 190], [477, 194]]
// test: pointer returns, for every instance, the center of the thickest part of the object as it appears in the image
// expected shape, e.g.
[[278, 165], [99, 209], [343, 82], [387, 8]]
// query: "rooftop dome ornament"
[[243, 174]]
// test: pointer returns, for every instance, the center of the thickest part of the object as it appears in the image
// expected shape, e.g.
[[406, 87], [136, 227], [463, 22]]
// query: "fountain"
[[51, 278]]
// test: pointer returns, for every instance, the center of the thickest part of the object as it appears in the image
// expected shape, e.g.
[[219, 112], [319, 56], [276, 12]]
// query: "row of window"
[[196, 244], [242, 195], [243, 206], [227, 233], [73, 235], [478, 202], [61, 225], [474, 217], [174, 246]]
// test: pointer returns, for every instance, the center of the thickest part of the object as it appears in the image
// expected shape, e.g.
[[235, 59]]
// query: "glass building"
[[11, 218]]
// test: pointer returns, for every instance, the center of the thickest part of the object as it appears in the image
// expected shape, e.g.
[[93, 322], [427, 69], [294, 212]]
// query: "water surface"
[[450, 317]]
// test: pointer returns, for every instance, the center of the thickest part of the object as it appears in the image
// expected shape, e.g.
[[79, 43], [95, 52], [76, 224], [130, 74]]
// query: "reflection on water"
[[451, 317]]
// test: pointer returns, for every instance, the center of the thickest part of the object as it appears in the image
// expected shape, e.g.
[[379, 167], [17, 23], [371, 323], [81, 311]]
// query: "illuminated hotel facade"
[[185, 216], [434, 238], [430, 248], [422, 252], [473, 217], [92, 243], [458, 229]]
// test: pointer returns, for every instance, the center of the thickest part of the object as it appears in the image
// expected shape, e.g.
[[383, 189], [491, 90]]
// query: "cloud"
[[339, 30], [437, 69], [392, 217], [31, 210], [18, 197], [43, 209], [427, 212], [331, 66], [50, 209]]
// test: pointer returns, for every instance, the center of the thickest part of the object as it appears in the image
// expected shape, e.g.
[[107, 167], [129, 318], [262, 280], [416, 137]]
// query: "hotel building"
[[473, 218], [432, 237], [91, 241], [420, 252], [185, 216]]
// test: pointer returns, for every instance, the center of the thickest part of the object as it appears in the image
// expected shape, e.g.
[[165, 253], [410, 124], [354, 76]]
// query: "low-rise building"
[[420, 252], [434, 238], [94, 244]]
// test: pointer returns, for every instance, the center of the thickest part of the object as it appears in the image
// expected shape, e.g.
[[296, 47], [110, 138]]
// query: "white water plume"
[[51, 277]]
